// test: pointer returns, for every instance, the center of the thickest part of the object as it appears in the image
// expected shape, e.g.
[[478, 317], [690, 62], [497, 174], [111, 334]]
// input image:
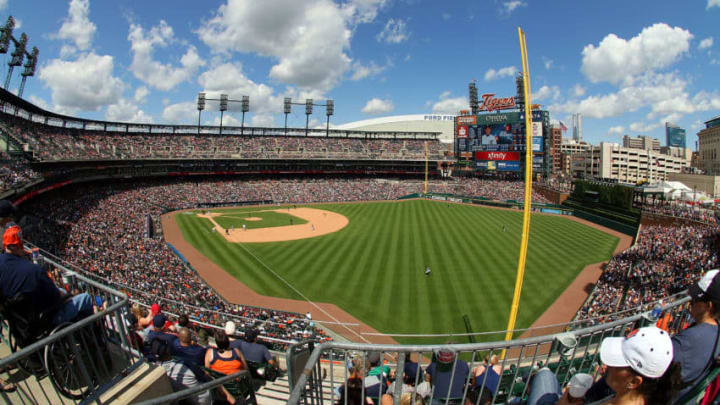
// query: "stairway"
[[278, 392]]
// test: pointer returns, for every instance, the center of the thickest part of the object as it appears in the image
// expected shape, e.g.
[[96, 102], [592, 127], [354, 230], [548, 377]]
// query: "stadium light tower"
[[18, 55], [287, 109], [474, 104], [329, 110], [308, 112], [245, 108], [30, 66], [200, 107], [223, 108]]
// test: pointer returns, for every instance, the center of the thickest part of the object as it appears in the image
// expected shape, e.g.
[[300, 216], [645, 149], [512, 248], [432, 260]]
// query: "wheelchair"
[[60, 360]]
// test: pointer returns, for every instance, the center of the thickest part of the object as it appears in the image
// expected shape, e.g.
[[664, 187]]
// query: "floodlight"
[[329, 108], [201, 101]]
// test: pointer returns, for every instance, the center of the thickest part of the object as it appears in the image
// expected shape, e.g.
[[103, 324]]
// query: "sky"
[[626, 66]]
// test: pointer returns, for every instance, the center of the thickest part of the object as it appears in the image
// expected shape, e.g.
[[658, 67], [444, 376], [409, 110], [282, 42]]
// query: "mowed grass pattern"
[[374, 267], [269, 219]]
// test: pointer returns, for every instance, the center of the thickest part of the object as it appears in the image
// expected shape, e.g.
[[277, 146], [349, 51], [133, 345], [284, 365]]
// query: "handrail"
[[29, 350], [465, 347], [171, 398]]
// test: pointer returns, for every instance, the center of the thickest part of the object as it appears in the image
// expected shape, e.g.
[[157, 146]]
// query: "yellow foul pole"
[[528, 189]]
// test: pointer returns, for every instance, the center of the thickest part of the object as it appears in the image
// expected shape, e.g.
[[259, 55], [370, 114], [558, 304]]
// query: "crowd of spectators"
[[679, 209], [15, 173], [98, 228], [664, 261], [50, 143]]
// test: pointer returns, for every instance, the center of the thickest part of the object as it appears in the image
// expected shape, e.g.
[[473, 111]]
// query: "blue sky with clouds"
[[627, 66]]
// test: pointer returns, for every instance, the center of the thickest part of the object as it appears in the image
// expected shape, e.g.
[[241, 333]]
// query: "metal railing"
[[71, 362], [567, 353], [191, 392]]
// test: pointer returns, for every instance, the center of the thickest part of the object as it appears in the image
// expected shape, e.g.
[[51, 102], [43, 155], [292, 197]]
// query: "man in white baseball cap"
[[696, 347], [640, 368]]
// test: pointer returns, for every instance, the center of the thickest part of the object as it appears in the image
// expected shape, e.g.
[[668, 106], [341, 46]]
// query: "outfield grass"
[[373, 268], [236, 219]]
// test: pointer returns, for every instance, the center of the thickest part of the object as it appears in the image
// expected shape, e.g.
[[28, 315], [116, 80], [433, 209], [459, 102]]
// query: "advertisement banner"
[[536, 115], [537, 144], [462, 131], [537, 129], [482, 164], [498, 118], [508, 166], [487, 155], [467, 120]]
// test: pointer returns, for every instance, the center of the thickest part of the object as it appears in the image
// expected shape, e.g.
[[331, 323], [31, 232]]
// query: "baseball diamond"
[[373, 267]]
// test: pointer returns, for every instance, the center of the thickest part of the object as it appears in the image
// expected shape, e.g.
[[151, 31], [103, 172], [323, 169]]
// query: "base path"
[[319, 222], [234, 291]]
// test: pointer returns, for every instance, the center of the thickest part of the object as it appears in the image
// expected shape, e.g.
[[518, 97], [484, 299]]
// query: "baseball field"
[[370, 260]]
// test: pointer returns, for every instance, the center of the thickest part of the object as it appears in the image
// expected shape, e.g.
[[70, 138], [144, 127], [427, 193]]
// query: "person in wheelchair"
[[28, 293]]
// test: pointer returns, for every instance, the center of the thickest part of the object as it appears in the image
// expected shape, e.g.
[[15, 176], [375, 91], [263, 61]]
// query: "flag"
[[563, 127]]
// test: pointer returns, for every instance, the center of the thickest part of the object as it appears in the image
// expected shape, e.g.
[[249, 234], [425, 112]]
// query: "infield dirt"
[[319, 222]]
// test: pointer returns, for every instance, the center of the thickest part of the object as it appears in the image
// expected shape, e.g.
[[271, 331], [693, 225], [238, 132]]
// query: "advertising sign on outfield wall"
[[486, 155], [508, 166]]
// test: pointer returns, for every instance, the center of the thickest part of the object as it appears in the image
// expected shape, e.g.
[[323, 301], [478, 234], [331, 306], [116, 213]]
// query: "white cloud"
[[706, 43], [85, 84], [141, 94], [360, 71], [378, 106], [450, 105], [493, 74], [125, 111], [18, 23], [510, 6], [547, 62], [308, 39], [155, 74], [3, 4], [40, 102], [395, 32], [229, 79], [616, 130], [545, 93], [76, 28], [579, 90], [664, 95], [446, 16], [642, 127], [713, 3], [180, 113], [363, 11], [616, 60], [263, 120]]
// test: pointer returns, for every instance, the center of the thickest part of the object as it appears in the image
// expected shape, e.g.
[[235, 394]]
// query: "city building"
[[577, 127], [709, 147], [555, 142], [641, 142], [627, 165], [677, 151], [709, 185], [674, 135]]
